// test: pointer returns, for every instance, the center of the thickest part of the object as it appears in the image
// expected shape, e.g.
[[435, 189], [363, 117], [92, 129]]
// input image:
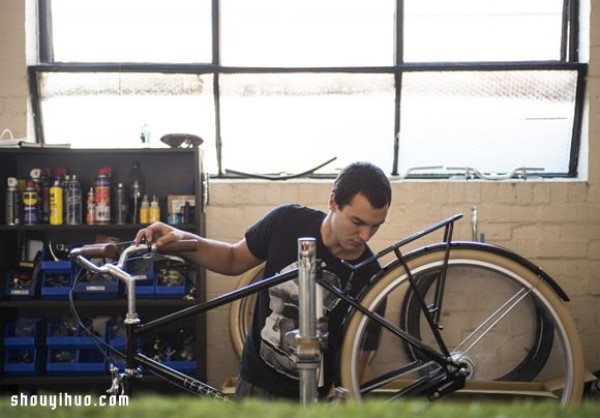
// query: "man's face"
[[356, 223]]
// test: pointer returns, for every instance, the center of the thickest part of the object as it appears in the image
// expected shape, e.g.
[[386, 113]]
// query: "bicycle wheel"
[[492, 310], [241, 310]]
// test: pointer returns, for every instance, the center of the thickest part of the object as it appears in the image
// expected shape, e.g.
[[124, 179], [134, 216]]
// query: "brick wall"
[[14, 96]]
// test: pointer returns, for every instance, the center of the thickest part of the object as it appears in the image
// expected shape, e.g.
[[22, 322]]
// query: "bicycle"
[[434, 340]]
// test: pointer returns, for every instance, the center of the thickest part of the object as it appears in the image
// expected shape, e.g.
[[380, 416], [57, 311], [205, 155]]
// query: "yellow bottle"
[[154, 215], [56, 204], [145, 211]]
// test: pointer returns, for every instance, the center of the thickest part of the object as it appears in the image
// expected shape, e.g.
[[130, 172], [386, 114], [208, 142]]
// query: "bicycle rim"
[[492, 311]]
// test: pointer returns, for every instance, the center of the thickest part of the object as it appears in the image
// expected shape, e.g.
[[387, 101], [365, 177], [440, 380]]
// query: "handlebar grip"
[[106, 250], [178, 246]]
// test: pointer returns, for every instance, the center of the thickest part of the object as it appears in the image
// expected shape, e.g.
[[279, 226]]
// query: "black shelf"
[[82, 227], [167, 172]]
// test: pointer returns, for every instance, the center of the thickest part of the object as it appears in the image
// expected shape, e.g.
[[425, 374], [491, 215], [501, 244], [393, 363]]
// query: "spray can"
[[102, 197], [44, 196], [35, 175], [56, 203], [90, 218], [72, 200], [12, 202], [120, 211], [30, 204]]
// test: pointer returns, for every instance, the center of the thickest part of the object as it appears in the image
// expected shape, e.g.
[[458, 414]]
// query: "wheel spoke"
[[491, 322]]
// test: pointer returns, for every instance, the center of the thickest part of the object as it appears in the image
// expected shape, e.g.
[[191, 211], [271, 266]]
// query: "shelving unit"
[[167, 172]]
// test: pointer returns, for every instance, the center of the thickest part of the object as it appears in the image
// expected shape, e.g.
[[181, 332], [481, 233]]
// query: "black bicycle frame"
[[442, 357]]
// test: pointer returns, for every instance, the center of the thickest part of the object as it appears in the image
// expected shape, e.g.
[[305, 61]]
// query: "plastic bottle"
[[154, 215], [186, 213], [56, 203], [136, 186], [145, 211]]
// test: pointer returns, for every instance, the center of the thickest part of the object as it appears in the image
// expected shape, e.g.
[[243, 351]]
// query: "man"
[[358, 206]]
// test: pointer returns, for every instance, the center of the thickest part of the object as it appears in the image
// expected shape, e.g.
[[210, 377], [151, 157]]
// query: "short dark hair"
[[364, 178]]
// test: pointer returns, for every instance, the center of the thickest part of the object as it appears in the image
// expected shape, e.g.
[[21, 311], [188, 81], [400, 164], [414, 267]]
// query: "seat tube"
[[308, 344]]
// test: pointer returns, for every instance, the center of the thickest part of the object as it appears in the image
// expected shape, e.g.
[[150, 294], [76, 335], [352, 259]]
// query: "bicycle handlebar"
[[82, 255], [95, 251], [109, 250]]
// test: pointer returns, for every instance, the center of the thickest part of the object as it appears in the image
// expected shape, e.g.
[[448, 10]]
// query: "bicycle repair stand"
[[307, 338]]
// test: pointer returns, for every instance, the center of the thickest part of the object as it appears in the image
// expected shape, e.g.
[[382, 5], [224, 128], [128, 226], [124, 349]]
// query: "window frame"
[[568, 52]]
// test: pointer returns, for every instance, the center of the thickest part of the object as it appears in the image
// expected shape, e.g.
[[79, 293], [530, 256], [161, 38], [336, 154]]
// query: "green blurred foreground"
[[161, 407]]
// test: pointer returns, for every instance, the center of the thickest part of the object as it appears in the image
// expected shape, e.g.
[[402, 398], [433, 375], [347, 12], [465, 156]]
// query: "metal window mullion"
[[34, 89], [45, 40], [577, 121], [216, 61], [569, 40], [573, 31], [398, 61]]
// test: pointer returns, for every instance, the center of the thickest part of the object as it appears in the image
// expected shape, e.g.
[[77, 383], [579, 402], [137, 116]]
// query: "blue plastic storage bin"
[[170, 279], [61, 361], [22, 361], [70, 350], [24, 332], [94, 286], [56, 271], [23, 347], [142, 267], [21, 284], [57, 279], [67, 333]]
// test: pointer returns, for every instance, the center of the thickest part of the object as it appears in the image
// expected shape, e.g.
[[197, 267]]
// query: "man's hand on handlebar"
[[160, 234]]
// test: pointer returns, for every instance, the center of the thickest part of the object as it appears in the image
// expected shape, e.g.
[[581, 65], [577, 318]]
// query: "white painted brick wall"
[[14, 97], [552, 223]]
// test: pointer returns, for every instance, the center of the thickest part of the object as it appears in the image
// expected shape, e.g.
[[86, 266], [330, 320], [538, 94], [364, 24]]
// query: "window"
[[281, 86], [174, 31]]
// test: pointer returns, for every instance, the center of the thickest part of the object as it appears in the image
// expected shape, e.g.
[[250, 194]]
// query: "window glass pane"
[[284, 33], [174, 31], [274, 123], [109, 110], [482, 30], [494, 121]]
